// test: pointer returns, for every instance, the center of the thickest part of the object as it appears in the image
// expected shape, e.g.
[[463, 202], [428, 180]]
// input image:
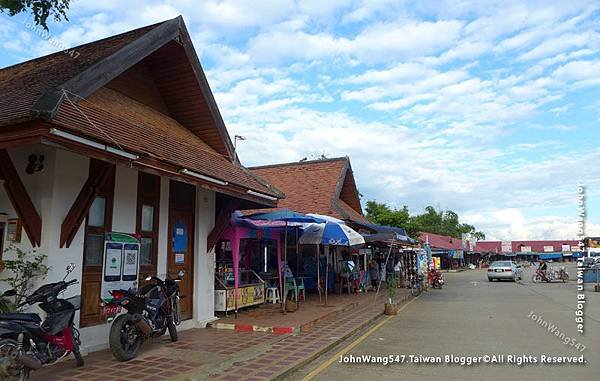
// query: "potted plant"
[[390, 306]]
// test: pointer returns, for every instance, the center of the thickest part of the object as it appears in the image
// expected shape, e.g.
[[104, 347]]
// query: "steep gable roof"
[[73, 91], [37, 88], [320, 186]]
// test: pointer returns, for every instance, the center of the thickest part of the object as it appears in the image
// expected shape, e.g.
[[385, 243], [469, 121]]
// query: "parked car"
[[499, 270]]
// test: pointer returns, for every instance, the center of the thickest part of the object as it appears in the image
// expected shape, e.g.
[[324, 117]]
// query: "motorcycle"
[[151, 311], [550, 275], [27, 343], [437, 281], [417, 285]]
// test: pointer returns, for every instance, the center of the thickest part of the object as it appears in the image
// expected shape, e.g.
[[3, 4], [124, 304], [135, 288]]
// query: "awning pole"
[[385, 267], [318, 272], [284, 268]]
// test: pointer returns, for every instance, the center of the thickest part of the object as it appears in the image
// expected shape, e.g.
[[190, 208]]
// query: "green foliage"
[[24, 269], [41, 9], [431, 220]]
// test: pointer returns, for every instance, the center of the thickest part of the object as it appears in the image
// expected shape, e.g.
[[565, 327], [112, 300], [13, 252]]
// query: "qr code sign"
[[130, 259]]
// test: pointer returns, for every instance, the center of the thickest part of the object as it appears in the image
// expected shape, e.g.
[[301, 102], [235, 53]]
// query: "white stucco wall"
[[204, 262], [54, 190]]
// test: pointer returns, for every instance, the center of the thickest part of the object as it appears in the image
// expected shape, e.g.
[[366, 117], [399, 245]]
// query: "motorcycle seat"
[[21, 316]]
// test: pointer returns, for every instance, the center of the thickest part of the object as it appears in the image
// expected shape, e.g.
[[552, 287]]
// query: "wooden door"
[[97, 224], [181, 247]]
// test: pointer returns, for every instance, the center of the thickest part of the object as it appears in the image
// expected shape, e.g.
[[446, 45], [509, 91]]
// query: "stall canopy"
[[546, 256], [375, 233]]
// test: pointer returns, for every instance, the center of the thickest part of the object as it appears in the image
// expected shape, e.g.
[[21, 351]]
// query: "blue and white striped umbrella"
[[330, 233]]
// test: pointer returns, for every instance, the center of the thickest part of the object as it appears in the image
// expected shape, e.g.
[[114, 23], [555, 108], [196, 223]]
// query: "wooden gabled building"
[[325, 186], [121, 135]]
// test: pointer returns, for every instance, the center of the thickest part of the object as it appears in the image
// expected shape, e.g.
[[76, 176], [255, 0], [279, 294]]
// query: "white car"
[[499, 270]]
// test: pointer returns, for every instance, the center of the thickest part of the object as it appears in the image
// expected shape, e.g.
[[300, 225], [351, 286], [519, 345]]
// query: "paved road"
[[471, 316]]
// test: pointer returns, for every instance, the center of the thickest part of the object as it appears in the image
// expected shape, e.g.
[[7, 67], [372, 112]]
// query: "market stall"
[[246, 283]]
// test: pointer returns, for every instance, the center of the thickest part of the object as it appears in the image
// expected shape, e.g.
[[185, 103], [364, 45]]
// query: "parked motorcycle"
[[437, 281], [151, 311], [27, 343], [550, 275], [417, 284]]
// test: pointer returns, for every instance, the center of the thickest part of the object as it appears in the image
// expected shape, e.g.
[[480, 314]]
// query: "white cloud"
[[429, 99]]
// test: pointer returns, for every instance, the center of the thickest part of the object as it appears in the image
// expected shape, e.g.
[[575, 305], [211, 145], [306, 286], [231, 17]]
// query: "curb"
[[282, 330], [253, 328], [327, 348]]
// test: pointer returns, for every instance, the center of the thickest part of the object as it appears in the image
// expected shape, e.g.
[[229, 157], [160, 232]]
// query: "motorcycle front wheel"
[[176, 308], [536, 278], [125, 338], [13, 370], [172, 330], [415, 290], [564, 277]]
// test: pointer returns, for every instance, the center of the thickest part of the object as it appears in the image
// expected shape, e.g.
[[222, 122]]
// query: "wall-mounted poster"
[[506, 247], [121, 263], [179, 237]]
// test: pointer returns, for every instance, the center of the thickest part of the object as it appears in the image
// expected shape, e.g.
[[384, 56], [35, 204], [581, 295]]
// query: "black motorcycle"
[[151, 311], [27, 343]]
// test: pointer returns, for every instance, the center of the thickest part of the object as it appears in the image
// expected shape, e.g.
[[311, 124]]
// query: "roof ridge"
[[316, 161], [115, 36]]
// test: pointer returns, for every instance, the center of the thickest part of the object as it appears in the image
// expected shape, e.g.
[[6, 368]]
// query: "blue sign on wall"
[[179, 237]]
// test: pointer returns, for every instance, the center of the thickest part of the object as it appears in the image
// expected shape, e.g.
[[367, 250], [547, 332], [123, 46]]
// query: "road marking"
[[351, 346]]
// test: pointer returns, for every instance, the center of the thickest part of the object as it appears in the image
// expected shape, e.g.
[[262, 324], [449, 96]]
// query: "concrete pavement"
[[473, 317]]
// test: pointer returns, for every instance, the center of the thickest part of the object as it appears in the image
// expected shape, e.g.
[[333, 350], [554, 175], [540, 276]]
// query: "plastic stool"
[[272, 295]]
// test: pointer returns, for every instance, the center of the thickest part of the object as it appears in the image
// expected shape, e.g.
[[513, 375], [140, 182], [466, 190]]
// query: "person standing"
[[374, 273]]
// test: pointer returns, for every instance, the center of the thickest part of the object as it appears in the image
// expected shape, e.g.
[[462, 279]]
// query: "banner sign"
[[525, 249], [549, 249], [121, 263], [506, 247]]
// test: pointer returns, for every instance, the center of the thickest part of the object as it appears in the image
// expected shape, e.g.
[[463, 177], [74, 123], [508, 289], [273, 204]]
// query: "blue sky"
[[489, 108]]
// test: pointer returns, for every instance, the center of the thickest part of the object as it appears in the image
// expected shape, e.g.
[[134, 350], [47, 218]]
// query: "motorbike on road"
[[417, 285], [151, 311], [27, 343], [550, 275], [437, 281]]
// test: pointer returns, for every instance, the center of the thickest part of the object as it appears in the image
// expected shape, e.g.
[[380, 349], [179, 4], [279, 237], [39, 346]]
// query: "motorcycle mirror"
[[9, 293], [181, 273]]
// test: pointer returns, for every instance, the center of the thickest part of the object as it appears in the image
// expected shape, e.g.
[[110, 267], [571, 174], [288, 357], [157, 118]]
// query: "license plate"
[[498, 270], [111, 310]]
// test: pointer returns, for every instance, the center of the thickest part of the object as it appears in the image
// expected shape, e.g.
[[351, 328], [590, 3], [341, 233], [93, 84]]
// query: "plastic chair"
[[272, 295], [290, 286], [300, 287]]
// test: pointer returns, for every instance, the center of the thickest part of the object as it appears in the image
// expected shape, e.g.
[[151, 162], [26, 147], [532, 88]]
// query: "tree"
[[431, 220], [41, 9]]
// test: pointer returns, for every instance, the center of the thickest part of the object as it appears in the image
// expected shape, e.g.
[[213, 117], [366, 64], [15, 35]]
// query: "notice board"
[[121, 263]]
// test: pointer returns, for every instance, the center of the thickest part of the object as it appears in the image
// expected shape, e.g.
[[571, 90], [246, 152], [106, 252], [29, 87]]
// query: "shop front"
[[111, 174]]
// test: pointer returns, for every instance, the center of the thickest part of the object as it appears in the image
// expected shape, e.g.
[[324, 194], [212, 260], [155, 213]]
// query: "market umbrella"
[[287, 216], [330, 234]]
